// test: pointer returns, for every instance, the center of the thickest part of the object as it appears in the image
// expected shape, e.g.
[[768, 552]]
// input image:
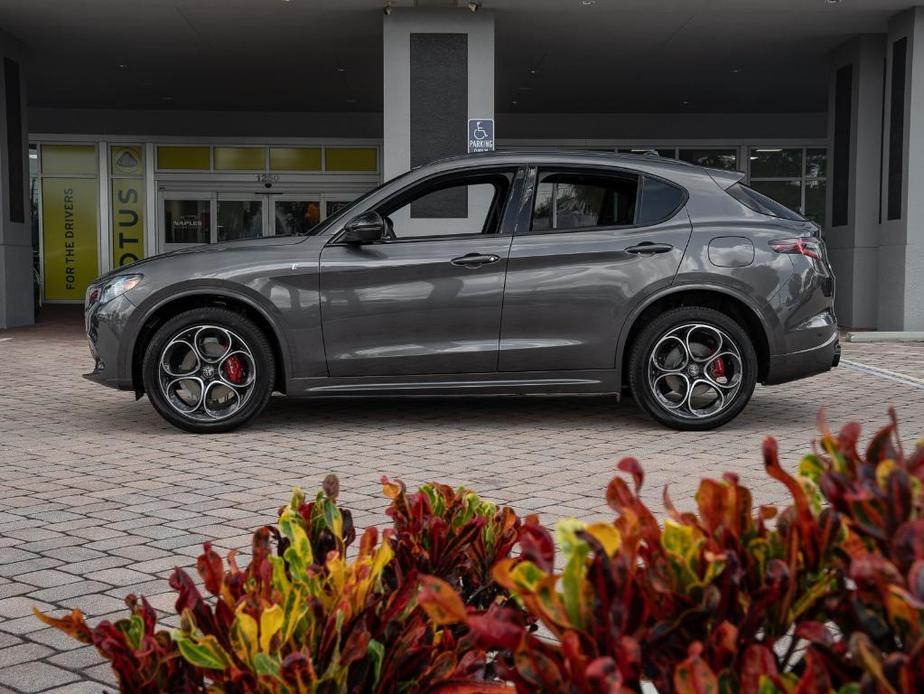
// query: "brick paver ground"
[[100, 498]]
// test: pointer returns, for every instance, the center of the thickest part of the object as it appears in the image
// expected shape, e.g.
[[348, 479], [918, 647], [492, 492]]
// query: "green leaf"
[[265, 664], [377, 651], [205, 653]]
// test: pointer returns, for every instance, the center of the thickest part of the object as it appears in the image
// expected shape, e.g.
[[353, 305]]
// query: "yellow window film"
[[69, 230], [351, 158], [127, 160], [240, 158], [69, 160], [173, 157], [295, 158]]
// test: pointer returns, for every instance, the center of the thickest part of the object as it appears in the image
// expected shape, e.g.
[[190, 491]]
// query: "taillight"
[[809, 247]]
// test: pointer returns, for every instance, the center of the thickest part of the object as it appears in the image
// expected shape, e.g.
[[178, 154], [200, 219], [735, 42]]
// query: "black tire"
[[243, 336], [668, 333]]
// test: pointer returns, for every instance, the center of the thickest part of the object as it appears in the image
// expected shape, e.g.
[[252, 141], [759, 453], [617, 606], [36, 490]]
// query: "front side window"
[[458, 206], [568, 201]]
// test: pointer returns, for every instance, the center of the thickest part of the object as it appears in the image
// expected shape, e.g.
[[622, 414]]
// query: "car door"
[[596, 239], [427, 298]]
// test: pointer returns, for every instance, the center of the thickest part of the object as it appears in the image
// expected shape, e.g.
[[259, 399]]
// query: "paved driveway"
[[100, 498]]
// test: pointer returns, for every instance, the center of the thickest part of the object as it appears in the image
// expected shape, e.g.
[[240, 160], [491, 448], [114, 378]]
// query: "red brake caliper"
[[718, 368], [234, 369]]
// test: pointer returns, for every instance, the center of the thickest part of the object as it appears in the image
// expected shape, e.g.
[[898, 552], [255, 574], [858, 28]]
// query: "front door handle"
[[648, 248], [473, 260]]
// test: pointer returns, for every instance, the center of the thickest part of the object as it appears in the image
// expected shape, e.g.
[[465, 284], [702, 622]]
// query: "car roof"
[[646, 163]]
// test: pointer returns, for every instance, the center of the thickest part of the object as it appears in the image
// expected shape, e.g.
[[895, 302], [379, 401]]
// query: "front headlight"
[[118, 286]]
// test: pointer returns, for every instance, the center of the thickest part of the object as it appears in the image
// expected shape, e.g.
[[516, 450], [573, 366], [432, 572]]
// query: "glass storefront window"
[[815, 194], [296, 217], [816, 163], [240, 158], [351, 159], [239, 219], [186, 221], [788, 193], [776, 163], [793, 176], [295, 158], [182, 158], [726, 159]]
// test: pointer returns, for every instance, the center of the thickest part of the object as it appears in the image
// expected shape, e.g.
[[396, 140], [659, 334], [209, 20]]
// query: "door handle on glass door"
[[473, 260], [648, 248]]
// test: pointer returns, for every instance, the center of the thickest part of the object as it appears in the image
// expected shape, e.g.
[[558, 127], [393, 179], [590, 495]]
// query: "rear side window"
[[759, 202], [660, 201], [583, 200]]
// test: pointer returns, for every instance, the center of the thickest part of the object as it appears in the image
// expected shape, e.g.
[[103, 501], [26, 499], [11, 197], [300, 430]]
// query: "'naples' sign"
[[480, 135]]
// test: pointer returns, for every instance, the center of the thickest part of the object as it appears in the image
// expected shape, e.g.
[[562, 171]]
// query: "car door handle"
[[646, 248], [474, 260]]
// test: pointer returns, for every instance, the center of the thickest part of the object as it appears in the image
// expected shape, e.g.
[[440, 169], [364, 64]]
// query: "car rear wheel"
[[208, 370], [693, 368]]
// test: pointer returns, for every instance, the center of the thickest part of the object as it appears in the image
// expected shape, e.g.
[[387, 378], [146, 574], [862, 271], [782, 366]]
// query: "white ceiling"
[[264, 55]]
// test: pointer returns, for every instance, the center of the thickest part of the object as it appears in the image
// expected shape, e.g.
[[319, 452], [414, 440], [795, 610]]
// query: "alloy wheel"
[[207, 373], [695, 371]]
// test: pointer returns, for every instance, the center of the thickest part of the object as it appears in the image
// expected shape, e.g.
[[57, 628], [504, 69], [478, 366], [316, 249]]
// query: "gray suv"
[[509, 273]]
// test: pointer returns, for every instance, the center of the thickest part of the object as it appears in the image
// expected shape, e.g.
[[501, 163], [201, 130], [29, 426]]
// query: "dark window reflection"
[[296, 217]]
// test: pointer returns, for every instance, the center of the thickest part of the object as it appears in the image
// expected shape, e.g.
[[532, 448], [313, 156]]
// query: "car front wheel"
[[208, 370], [693, 368]]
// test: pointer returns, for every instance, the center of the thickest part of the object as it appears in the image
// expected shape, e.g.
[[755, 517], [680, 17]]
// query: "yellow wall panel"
[[69, 231]]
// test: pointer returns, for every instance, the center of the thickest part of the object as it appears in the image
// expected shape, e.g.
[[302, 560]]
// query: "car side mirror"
[[365, 228]]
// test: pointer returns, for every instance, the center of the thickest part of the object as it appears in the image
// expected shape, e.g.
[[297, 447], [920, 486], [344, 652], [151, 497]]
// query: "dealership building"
[[133, 127]]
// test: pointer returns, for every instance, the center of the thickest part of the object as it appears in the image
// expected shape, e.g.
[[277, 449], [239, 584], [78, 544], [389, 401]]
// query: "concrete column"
[[438, 73], [854, 174], [16, 303], [901, 247]]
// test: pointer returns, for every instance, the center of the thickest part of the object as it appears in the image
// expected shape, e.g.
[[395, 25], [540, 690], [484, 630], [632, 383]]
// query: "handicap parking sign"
[[480, 135]]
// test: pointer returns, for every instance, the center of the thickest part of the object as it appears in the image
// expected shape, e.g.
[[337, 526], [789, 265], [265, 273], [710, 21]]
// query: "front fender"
[[156, 305]]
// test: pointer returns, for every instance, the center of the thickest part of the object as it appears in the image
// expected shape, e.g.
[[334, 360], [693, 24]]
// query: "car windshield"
[[323, 226]]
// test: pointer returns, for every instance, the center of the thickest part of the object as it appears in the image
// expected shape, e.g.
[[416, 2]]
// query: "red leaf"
[[815, 678], [537, 544], [210, 569], [632, 467], [758, 660]]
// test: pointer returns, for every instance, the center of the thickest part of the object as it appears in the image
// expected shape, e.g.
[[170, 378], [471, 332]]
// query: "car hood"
[[223, 247]]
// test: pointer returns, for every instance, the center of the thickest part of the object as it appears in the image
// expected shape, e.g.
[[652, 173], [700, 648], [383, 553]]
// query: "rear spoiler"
[[725, 179]]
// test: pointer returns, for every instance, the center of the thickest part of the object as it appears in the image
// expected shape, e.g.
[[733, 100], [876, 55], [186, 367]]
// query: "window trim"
[[535, 170]]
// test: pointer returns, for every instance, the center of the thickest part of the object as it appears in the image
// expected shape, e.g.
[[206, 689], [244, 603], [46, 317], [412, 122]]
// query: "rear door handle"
[[648, 248], [473, 260]]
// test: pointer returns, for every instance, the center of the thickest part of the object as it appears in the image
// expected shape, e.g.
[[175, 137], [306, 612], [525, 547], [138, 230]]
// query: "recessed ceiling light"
[[350, 101], [588, 3], [514, 102], [533, 71], [122, 66], [735, 70], [832, 2], [474, 5], [340, 69], [685, 102]]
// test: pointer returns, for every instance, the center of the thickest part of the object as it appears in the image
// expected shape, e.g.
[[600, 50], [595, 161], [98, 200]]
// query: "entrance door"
[[186, 219], [240, 216], [427, 298], [196, 217]]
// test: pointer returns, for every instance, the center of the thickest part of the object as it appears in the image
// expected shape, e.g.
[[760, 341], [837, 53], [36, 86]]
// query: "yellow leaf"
[[607, 535], [270, 623], [244, 635]]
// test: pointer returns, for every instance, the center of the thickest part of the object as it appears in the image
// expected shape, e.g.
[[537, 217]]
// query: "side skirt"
[[522, 383]]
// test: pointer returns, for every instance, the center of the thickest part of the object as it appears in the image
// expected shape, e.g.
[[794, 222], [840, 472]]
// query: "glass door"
[[294, 214], [240, 216], [186, 219]]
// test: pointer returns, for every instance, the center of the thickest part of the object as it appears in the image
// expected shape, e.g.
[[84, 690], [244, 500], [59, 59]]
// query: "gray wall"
[[16, 303], [204, 123], [854, 247], [397, 30]]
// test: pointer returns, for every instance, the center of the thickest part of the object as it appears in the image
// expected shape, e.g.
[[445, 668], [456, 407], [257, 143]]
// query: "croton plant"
[[460, 595]]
